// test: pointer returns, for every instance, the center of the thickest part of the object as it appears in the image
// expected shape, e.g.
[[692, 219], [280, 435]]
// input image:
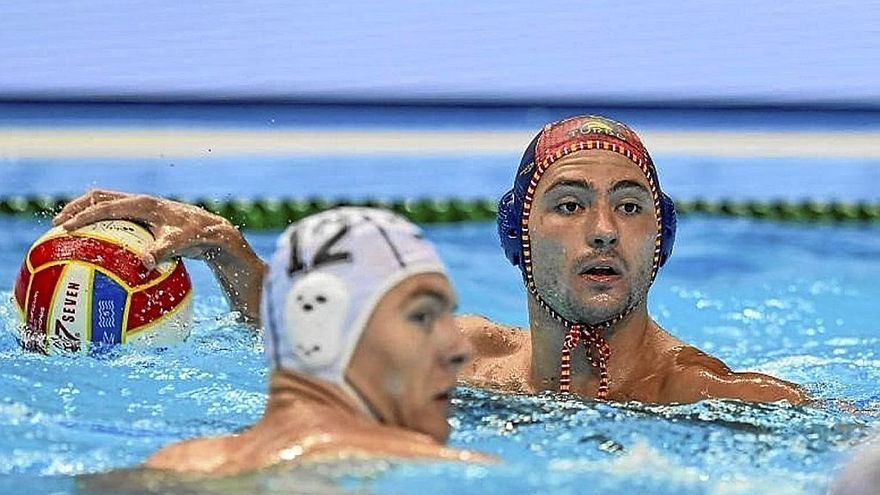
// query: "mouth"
[[602, 271], [444, 396]]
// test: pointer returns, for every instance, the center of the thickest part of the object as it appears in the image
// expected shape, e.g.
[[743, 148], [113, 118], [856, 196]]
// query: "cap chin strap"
[[358, 399], [598, 352]]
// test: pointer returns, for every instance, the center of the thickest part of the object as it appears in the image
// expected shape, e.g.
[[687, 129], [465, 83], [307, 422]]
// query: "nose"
[[603, 234], [456, 349], [603, 240]]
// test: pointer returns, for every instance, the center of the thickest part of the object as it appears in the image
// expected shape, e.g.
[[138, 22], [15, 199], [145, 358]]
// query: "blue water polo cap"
[[555, 141]]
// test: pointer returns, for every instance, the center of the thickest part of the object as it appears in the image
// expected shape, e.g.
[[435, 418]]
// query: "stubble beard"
[[550, 282]]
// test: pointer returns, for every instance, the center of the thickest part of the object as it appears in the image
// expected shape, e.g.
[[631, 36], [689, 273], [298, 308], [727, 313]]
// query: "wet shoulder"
[[678, 356], [689, 358], [490, 339], [204, 455], [378, 441], [695, 375], [501, 356], [681, 371]]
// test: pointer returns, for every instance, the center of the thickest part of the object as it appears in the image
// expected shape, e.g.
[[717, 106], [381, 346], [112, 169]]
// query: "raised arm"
[[180, 229]]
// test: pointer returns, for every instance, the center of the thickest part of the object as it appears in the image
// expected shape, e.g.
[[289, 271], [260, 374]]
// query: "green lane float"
[[276, 213]]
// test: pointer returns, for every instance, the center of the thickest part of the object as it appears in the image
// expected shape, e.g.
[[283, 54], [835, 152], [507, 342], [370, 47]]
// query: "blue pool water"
[[401, 177], [352, 175], [797, 301]]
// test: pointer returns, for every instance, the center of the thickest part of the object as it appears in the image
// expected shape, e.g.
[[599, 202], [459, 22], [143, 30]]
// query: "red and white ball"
[[88, 288]]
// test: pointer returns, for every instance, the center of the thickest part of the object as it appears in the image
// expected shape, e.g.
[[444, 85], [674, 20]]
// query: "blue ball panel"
[[108, 309]]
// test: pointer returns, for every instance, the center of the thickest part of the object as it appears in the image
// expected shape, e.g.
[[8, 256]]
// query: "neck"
[[547, 335], [290, 391]]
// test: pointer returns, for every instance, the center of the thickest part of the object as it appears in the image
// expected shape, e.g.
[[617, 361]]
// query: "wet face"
[[593, 229], [407, 361]]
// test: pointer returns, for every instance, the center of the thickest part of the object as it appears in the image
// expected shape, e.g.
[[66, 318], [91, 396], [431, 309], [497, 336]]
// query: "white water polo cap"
[[327, 275]]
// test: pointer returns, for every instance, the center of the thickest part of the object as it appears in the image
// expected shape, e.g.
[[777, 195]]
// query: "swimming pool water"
[[358, 177], [797, 301]]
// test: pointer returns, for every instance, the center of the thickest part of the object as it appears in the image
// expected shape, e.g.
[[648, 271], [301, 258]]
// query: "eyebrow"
[[582, 184], [579, 184], [629, 184], [433, 294]]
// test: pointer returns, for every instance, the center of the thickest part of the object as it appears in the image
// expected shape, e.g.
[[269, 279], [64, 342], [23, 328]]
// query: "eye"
[[568, 207], [423, 318], [630, 208]]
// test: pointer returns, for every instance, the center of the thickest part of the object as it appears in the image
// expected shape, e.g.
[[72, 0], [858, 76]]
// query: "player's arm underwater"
[[180, 230]]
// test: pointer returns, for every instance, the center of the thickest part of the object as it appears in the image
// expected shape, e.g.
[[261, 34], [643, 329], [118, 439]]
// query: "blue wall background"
[[637, 52]]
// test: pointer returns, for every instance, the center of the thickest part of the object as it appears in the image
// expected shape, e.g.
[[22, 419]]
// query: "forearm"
[[240, 273], [180, 230]]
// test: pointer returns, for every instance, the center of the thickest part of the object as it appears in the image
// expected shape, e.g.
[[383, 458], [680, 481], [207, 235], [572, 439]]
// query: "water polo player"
[[349, 295], [588, 226]]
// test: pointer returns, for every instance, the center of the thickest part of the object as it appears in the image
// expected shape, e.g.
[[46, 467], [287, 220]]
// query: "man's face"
[[593, 230], [407, 361]]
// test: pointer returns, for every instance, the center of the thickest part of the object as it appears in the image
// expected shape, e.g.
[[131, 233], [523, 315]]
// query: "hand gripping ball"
[[88, 289]]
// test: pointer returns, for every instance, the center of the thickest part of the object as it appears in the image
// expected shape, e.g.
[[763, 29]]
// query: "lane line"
[[195, 142]]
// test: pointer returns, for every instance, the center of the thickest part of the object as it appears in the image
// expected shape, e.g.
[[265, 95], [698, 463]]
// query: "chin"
[[438, 430], [440, 433], [598, 311]]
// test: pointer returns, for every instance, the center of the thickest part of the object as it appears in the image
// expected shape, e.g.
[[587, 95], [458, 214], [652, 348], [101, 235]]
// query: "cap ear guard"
[[327, 275], [315, 311], [510, 207], [668, 223], [509, 228]]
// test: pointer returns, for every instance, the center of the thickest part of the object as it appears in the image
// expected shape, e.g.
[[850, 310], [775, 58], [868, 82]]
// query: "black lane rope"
[[272, 213]]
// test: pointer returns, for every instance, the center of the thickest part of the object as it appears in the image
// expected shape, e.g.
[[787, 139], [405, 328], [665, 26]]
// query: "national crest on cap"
[[559, 138]]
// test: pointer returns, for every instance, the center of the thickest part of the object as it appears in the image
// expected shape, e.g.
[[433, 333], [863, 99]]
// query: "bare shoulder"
[[389, 442], [697, 375], [198, 455], [689, 358], [491, 339], [502, 355], [675, 357]]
